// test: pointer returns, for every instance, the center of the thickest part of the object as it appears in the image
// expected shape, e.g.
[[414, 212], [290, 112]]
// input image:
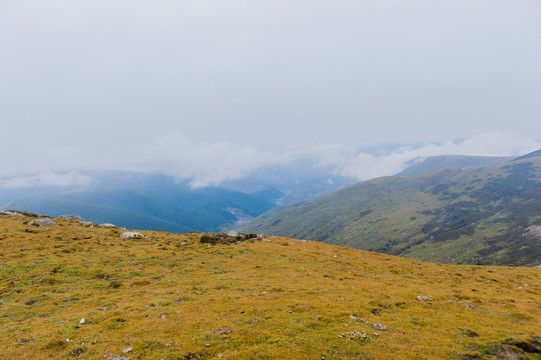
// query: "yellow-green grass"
[[283, 299]]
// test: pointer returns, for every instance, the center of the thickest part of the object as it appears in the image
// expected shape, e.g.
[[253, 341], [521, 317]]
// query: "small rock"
[[423, 298], [108, 225], [42, 222], [233, 234], [207, 345], [223, 331], [131, 234], [183, 244], [379, 327], [267, 240], [82, 321], [103, 308], [71, 217], [115, 357], [127, 350]]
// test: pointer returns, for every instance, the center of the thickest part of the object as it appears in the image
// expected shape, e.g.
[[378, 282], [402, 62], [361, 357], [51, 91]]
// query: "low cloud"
[[203, 163], [207, 163], [47, 179], [365, 166]]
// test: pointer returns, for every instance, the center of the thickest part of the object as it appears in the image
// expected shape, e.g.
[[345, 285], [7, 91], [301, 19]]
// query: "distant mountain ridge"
[[425, 165], [480, 215], [159, 202]]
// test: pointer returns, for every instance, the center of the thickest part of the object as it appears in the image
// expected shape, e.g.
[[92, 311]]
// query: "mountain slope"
[[484, 215], [73, 290]]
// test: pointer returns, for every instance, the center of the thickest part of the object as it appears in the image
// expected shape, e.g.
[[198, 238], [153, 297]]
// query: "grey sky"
[[95, 83]]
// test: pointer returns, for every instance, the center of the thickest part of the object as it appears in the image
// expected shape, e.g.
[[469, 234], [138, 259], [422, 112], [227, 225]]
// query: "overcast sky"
[[200, 87]]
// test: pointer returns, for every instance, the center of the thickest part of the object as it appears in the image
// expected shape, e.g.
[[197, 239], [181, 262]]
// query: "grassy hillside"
[[168, 296], [485, 215]]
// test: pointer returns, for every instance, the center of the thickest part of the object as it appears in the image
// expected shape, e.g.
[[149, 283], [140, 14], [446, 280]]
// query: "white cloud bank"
[[207, 163], [47, 179], [204, 163], [366, 166]]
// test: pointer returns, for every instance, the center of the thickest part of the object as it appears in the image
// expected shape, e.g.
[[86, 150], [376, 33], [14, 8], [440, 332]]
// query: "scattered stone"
[[108, 225], [82, 321], [207, 345], [353, 317], [223, 331], [423, 298], [183, 244], [360, 335], [131, 234], [103, 308], [473, 306], [127, 350], [42, 222], [116, 357], [71, 217], [534, 230], [380, 327], [233, 234], [267, 240], [163, 317]]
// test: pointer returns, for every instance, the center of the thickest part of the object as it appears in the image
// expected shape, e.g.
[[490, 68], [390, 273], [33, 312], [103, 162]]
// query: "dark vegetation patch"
[[508, 349], [363, 214], [222, 238], [439, 188]]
